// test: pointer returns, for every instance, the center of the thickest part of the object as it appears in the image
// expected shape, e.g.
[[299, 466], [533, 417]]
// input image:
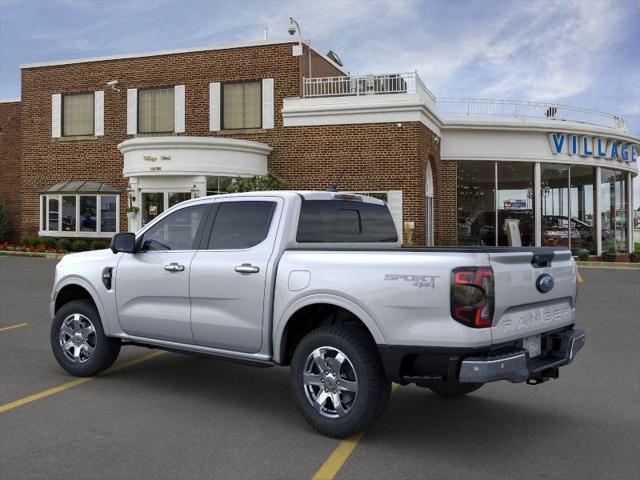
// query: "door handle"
[[247, 268], [174, 267]]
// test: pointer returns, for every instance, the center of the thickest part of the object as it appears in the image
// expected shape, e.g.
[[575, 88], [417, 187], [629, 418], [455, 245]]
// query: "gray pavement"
[[191, 417]]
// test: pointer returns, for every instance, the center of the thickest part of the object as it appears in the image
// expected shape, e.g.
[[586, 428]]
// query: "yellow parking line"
[[11, 327], [74, 383], [334, 463], [580, 279]]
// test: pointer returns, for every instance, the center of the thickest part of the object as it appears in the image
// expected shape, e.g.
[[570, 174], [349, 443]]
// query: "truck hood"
[[93, 256]]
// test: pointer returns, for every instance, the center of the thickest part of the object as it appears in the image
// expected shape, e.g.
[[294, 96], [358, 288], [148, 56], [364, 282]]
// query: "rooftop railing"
[[357, 85], [402, 83], [528, 109]]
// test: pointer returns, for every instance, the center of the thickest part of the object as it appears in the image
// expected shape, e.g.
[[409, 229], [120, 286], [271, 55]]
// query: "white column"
[[598, 213], [537, 202], [630, 211]]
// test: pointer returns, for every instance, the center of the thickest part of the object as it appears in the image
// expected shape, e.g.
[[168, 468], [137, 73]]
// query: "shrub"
[[98, 245], [47, 242], [64, 244], [4, 222], [78, 246], [583, 255], [29, 241]]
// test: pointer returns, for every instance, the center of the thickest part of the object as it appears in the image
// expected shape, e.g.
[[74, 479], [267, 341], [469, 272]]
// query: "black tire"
[[453, 390], [106, 349], [373, 391]]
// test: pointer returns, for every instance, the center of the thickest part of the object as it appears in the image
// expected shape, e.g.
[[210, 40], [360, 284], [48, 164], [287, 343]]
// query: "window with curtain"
[[241, 105], [77, 114], [156, 110]]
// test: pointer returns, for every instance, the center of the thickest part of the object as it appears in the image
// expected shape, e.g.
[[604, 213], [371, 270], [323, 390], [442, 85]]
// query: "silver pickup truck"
[[319, 282]]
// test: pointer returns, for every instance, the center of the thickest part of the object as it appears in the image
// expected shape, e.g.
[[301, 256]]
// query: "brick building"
[[90, 137]]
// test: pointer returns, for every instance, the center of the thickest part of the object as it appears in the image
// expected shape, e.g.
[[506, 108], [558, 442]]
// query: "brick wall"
[[10, 161], [372, 156]]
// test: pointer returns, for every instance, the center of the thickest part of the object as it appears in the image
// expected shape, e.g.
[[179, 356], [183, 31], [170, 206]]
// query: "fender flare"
[[318, 298], [81, 282]]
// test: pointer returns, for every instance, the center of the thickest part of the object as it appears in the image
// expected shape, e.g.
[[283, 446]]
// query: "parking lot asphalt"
[[176, 416]]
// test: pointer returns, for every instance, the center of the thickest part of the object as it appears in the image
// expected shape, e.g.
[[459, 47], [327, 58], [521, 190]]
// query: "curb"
[[614, 265], [32, 254]]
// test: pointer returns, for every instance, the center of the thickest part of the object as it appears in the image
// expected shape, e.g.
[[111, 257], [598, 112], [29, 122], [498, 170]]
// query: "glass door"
[[152, 206]]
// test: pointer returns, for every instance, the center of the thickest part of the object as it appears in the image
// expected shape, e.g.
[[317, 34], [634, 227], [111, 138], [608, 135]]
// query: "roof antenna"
[[266, 32], [334, 186]]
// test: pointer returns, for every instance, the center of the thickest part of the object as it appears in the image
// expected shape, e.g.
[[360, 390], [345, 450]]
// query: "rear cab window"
[[344, 221]]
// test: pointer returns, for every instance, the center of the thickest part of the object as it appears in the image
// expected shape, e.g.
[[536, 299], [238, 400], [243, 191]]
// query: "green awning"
[[81, 186]]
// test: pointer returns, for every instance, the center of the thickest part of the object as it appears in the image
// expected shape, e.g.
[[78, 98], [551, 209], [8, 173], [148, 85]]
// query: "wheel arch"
[[76, 288], [298, 310]]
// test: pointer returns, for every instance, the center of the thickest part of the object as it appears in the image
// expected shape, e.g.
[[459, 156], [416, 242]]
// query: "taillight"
[[472, 298]]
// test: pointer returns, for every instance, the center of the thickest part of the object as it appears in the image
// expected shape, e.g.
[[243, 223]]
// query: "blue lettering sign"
[[573, 148], [614, 150], [634, 153], [601, 150], [586, 147], [557, 142], [624, 152]]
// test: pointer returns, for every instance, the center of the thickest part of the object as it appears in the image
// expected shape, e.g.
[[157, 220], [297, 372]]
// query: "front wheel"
[[338, 381], [78, 340]]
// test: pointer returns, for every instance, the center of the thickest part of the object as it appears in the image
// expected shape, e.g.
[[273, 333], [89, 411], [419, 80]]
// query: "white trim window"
[[79, 215], [156, 110], [242, 105], [78, 114]]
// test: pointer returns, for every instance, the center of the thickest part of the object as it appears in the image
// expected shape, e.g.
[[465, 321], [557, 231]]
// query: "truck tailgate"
[[523, 309]]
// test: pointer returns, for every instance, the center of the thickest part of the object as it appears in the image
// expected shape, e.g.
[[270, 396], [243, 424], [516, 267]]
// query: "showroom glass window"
[[582, 205], [476, 203], [515, 204], [614, 209], [156, 110], [241, 105], [218, 185], [555, 205], [78, 114]]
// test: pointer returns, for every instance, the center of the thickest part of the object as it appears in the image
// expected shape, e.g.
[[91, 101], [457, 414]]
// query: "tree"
[[4, 222], [256, 184]]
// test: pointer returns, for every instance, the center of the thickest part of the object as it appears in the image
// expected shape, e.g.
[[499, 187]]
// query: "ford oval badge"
[[545, 283]]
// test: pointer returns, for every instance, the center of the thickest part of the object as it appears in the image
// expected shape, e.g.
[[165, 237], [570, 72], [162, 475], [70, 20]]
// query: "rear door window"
[[342, 221], [240, 225]]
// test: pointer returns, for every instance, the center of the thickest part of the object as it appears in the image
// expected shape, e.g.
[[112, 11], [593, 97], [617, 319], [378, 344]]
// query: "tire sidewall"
[[102, 348], [365, 396]]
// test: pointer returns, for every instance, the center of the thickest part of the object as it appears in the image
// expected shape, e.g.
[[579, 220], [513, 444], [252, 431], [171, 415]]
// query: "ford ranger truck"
[[319, 282]]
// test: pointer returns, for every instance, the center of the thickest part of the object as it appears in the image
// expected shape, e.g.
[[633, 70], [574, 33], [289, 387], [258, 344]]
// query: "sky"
[[584, 53]]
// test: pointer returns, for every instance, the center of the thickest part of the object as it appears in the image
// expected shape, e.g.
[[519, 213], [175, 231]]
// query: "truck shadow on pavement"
[[243, 391]]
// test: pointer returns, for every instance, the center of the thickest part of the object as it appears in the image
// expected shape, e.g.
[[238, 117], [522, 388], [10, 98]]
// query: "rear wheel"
[[78, 340], [453, 390], [338, 381]]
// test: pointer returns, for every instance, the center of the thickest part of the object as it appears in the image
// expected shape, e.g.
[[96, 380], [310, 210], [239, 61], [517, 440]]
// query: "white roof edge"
[[9, 100], [171, 52]]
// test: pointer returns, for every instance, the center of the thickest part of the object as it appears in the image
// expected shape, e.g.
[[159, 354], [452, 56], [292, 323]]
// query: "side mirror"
[[124, 242]]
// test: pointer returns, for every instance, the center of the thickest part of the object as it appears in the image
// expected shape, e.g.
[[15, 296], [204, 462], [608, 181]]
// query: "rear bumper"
[[509, 361], [519, 367]]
